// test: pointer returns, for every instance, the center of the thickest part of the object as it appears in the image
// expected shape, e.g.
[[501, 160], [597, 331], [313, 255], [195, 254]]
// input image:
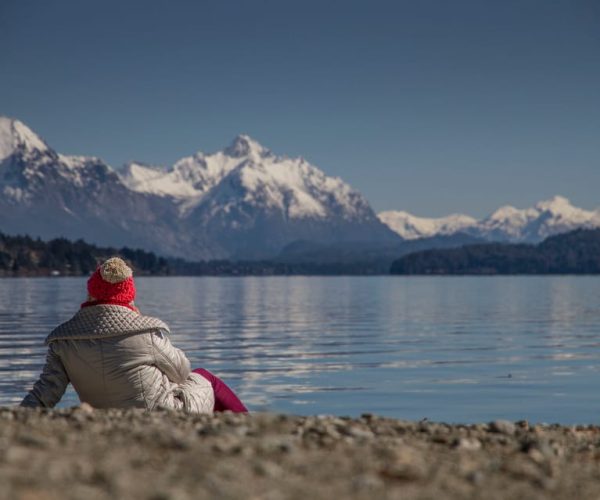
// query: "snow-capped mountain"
[[292, 186], [529, 225], [43, 193], [252, 202], [241, 202]]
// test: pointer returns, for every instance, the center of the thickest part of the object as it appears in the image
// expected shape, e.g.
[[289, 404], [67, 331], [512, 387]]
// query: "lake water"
[[457, 349]]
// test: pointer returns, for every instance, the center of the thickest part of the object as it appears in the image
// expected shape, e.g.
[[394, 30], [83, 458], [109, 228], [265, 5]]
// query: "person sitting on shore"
[[117, 358]]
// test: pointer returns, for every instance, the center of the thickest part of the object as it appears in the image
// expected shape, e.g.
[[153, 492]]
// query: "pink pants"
[[225, 398]]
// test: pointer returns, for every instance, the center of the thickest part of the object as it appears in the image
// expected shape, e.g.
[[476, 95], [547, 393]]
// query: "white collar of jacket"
[[104, 321]]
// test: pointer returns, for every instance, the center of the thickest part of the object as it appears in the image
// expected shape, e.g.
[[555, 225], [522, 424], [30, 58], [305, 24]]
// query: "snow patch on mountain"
[[73, 163], [411, 227], [155, 180]]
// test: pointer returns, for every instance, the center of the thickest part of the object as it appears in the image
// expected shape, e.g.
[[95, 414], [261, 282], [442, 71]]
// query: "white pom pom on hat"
[[115, 270]]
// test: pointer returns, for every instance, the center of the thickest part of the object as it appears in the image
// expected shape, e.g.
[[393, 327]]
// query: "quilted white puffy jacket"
[[117, 358]]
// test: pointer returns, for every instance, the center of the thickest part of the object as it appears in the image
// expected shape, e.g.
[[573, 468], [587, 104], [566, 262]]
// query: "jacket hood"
[[104, 321]]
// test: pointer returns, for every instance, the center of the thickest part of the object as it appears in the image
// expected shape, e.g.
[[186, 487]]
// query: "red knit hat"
[[112, 282]]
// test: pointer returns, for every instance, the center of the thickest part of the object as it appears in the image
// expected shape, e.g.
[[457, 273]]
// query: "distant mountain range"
[[576, 252], [507, 224], [241, 203]]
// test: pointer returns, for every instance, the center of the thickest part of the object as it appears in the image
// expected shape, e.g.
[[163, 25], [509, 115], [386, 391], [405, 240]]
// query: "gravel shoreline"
[[99, 454]]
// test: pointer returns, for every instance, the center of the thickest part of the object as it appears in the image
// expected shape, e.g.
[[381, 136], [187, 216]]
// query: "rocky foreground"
[[97, 454]]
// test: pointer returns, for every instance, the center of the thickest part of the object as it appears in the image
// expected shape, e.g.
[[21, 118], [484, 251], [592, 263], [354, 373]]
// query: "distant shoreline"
[[314, 275], [577, 252], [574, 253]]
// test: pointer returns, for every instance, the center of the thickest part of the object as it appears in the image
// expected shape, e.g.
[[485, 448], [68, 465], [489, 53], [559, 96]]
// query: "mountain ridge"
[[241, 202], [506, 224]]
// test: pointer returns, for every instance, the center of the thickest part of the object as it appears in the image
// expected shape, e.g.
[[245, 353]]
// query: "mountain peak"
[[504, 212], [555, 204], [244, 145], [16, 135]]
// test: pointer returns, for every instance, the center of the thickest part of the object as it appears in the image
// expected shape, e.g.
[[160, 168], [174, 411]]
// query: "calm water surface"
[[459, 349]]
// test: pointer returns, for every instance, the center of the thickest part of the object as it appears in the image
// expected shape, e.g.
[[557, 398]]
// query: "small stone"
[[440, 439], [17, 454], [478, 429], [275, 444], [176, 494], [228, 445], [86, 407], [426, 427], [403, 471], [468, 444], [475, 477], [547, 483], [501, 439], [357, 432], [367, 482], [241, 430], [267, 469], [332, 433], [33, 441], [408, 465], [539, 449], [536, 455], [503, 427]]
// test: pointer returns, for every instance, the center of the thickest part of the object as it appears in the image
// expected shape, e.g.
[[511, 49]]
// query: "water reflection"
[[458, 349]]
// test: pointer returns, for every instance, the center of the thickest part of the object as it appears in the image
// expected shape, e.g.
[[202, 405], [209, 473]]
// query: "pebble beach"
[[99, 454]]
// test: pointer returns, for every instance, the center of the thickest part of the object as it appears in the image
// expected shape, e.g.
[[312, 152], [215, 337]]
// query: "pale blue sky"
[[433, 106]]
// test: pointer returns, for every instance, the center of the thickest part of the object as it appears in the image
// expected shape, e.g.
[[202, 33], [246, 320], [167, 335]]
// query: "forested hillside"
[[25, 256], [577, 252]]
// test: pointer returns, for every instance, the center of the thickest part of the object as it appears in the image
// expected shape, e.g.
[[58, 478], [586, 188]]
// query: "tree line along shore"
[[576, 252]]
